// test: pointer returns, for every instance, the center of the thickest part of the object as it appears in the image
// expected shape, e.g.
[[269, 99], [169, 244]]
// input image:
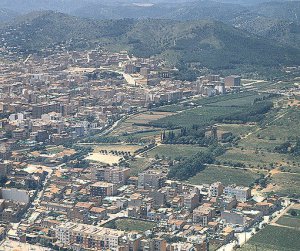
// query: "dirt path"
[[273, 221], [279, 116]]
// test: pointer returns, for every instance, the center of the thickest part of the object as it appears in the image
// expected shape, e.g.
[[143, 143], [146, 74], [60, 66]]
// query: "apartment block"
[[82, 236], [101, 188], [241, 193]]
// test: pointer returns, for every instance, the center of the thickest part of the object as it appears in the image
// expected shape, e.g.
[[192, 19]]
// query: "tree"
[[293, 213]]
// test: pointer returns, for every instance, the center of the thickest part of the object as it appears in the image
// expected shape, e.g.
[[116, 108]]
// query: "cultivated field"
[[175, 151], [130, 225], [252, 158], [138, 123], [207, 110], [286, 183], [201, 116], [138, 165], [226, 175], [289, 221], [274, 238], [116, 147]]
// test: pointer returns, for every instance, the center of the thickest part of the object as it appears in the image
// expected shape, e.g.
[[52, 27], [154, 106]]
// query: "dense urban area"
[[106, 149]]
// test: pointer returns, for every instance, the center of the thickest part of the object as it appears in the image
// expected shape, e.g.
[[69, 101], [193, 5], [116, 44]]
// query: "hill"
[[285, 32], [208, 43], [269, 20], [7, 15], [25, 6], [191, 10], [288, 10]]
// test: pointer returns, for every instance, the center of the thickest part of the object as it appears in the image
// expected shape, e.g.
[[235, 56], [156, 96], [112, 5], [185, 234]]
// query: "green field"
[[175, 151], [207, 110], [237, 129], [289, 221], [55, 149], [285, 128], [201, 116], [251, 158], [138, 165], [297, 211], [274, 238], [130, 225], [138, 123], [172, 108], [229, 99], [255, 141], [235, 99], [225, 175], [287, 183]]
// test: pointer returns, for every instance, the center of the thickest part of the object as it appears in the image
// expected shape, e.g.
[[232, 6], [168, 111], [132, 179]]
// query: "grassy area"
[[130, 225], [232, 99], [297, 211], [138, 165], [286, 127], [237, 100], [274, 238], [201, 116], [115, 147], [138, 123], [255, 141], [289, 221], [173, 108], [237, 129], [226, 175], [55, 149], [251, 158], [287, 183], [175, 151], [208, 110]]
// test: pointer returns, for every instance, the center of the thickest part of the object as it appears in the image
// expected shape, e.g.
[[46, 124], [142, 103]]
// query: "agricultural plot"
[[285, 127], [255, 141], [138, 123], [138, 165], [175, 151], [237, 100], [232, 99], [226, 175], [289, 221], [207, 110], [173, 108], [141, 137], [274, 238], [54, 149], [130, 225], [201, 116], [251, 158], [286, 183], [237, 129], [116, 147]]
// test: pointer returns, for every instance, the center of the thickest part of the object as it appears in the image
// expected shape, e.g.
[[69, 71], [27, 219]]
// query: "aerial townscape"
[[164, 126]]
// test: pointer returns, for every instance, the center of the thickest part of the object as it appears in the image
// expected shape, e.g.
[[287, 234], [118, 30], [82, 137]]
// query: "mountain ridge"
[[207, 43]]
